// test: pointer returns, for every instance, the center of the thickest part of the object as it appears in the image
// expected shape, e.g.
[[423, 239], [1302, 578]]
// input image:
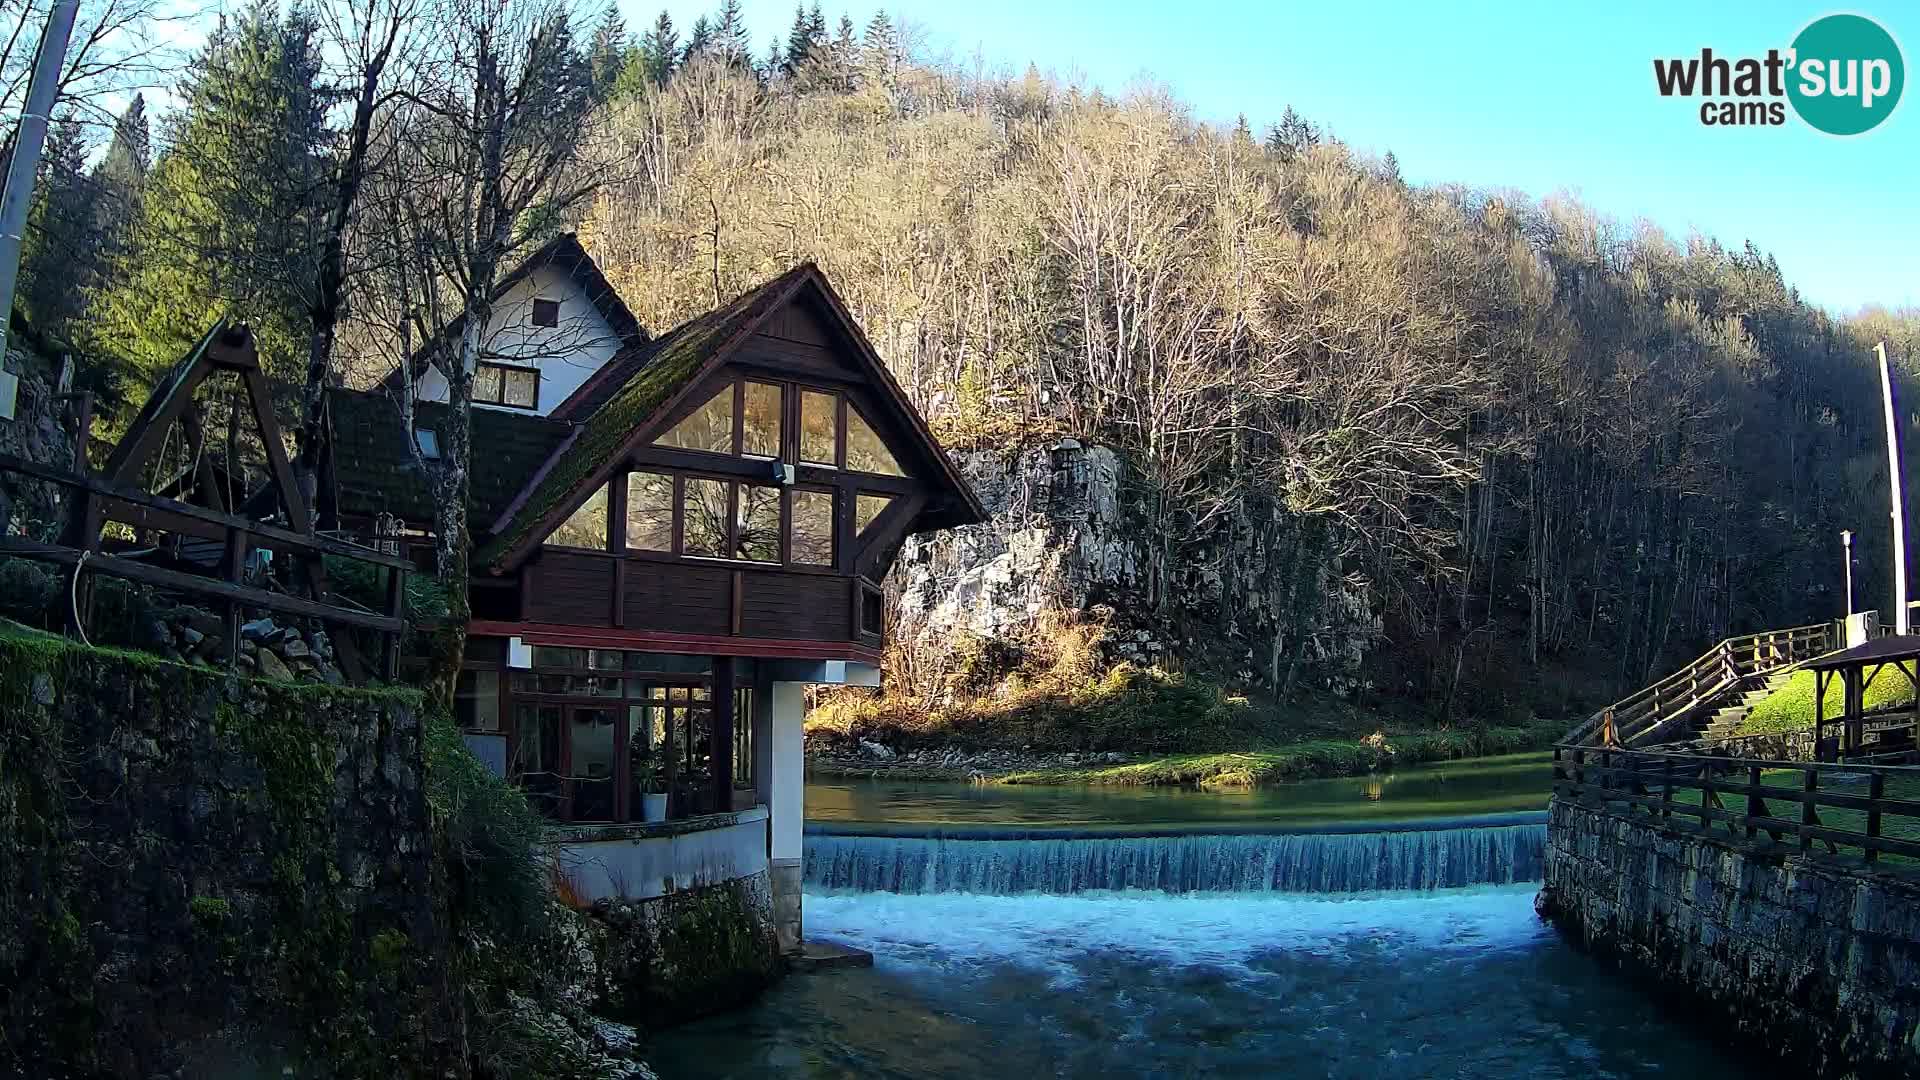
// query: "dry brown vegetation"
[[1531, 432]]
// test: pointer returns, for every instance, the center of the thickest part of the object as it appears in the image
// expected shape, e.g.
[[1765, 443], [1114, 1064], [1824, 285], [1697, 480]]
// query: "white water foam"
[[1223, 932]]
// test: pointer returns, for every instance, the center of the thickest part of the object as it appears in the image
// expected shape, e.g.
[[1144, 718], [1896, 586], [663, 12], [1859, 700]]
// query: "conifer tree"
[[880, 49], [699, 40], [730, 38], [652, 61], [59, 254], [607, 55], [799, 41], [228, 213], [119, 179]]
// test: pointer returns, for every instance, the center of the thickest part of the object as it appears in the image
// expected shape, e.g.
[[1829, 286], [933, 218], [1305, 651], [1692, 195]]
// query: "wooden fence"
[[1870, 809], [236, 536], [1653, 711]]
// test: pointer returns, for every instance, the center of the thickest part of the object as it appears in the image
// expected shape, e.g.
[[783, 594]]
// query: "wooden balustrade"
[[1710, 676], [1698, 787]]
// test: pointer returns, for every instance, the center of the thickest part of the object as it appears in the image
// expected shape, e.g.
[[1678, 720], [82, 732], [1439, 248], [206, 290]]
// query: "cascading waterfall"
[[1023, 861]]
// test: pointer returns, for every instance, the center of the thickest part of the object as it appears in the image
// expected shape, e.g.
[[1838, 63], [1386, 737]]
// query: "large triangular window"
[[865, 452], [710, 428]]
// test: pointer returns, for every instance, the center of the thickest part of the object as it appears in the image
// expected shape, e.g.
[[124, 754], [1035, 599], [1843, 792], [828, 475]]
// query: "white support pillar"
[[787, 809]]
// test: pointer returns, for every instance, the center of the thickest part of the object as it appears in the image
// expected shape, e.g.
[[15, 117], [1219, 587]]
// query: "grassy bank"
[[1301, 761], [1791, 708]]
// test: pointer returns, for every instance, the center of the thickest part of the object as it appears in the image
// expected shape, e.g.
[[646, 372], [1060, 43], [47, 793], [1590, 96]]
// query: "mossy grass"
[[1791, 708], [1310, 759]]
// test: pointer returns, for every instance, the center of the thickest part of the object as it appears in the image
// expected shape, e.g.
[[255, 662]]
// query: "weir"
[[1344, 859]]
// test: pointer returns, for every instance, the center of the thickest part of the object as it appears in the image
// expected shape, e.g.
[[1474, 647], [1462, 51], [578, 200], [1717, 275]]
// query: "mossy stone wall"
[[203, 874], [1809, 962], [688, 953]]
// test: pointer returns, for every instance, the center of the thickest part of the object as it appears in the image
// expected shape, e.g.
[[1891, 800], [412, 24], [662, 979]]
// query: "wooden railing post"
[[1756, 806], [1706, 795], [1876, 790], [1666, 787], [1809, 787]]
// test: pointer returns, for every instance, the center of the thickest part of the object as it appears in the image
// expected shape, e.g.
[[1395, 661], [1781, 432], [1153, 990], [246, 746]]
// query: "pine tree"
[[846, 54], [1242, 133], [775, 63], [816, 25], [60, 253], [730, 38], [699, 40], [607, 55], [228, 213], [653, 60], [799, 41], [1390, 169], [880, 49], [119, 179], [1292, 136]]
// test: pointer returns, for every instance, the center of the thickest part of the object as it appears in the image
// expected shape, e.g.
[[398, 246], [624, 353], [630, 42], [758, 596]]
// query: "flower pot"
[[653, 807]]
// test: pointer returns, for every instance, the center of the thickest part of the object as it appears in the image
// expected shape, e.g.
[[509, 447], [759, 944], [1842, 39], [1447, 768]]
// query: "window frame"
[[534, 310], [502, 402]]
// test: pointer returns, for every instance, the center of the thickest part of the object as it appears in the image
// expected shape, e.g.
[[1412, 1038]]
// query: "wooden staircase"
[[1724, 721], [1708, 698]]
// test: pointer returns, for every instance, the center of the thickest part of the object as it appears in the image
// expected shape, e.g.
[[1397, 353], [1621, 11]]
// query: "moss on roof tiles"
[[680, 358], [375, 471]]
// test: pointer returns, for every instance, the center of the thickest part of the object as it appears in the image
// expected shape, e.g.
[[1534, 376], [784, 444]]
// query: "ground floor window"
[[595, 733]]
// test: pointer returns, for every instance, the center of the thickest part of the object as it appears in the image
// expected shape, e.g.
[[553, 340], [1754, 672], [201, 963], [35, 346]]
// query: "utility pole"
[[28, 140], [1846, 545], [1900, 618]]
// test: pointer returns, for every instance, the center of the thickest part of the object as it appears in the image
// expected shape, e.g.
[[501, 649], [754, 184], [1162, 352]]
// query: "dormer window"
[[502, 384], [428, 440], [546, 312]]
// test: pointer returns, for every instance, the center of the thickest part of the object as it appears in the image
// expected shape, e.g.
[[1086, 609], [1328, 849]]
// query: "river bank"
[[1252, 767]]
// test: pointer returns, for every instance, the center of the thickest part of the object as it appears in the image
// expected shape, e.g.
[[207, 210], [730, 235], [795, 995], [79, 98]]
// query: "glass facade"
[[597, 729], [649, 511], [710, 428], [760, 420], [812, 541], [585, 527]]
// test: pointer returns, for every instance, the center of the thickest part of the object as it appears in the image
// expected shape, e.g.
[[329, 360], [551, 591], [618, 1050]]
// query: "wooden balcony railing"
[[1873, 810]]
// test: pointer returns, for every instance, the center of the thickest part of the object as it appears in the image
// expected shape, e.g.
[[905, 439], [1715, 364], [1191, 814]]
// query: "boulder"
[[271, 667]]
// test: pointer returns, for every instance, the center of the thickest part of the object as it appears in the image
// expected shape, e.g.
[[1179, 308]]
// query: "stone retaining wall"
[[1805, 960], [208, 875]]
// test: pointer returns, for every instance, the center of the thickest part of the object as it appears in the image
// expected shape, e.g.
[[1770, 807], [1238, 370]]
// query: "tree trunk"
[[330, 286]]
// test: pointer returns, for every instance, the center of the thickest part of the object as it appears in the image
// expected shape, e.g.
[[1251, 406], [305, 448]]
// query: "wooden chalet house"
[[674, 535]]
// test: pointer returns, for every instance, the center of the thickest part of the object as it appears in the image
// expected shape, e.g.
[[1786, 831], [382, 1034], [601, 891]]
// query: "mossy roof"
[[375, 471], [678, 361]]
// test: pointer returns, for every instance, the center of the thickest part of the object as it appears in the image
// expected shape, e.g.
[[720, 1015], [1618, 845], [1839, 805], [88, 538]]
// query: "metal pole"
[[1846, 544], [28, 141], [1900, 616]]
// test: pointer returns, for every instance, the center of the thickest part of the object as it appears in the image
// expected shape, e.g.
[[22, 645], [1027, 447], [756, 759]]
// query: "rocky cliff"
[[1069, 534]]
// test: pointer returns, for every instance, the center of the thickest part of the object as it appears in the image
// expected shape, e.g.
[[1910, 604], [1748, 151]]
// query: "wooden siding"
[[678, 598], [570, 587], [780, 604]]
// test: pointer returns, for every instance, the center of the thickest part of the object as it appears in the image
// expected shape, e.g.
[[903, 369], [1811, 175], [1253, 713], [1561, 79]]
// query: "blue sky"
[[1538, 97]]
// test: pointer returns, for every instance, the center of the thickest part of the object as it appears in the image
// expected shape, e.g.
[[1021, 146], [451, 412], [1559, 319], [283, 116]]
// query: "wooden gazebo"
[[1858, 733]]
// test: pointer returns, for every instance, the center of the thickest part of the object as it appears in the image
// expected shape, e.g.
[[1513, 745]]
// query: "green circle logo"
[[1847, 74]]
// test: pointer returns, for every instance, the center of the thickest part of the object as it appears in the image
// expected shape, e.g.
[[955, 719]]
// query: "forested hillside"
[[1535, 438]]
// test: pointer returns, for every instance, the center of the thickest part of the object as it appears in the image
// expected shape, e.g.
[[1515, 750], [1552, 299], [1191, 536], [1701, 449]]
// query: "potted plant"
[[653, 794]]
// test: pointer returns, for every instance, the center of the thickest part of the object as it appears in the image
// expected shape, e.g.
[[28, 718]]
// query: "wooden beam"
[[601, 637], [290, 494], [281, 537], [117, 566], [720, 749]]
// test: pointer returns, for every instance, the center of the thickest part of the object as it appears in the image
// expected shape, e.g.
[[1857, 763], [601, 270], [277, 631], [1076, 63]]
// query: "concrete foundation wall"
[[640, 862], [1801, 959]]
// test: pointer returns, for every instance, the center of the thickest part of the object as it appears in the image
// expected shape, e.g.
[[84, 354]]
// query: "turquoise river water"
[[1332, 929]]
